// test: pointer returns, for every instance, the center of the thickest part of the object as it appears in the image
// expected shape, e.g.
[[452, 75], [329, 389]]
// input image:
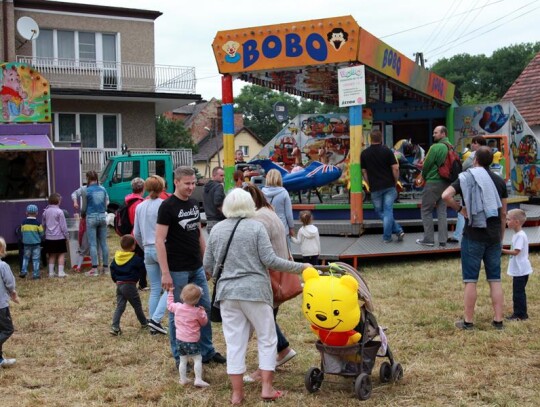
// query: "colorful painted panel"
[[273, 47], [503, 119], [25, 94]]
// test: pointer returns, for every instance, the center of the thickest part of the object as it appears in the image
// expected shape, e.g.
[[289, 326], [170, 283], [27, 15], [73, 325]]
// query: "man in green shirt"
[[435, 185]]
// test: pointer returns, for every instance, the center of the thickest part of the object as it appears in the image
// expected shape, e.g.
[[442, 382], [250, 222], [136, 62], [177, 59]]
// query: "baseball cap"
[[31, 209]]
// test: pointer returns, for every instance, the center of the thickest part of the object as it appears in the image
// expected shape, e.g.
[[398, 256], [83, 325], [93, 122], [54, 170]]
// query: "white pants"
[[238, 318]]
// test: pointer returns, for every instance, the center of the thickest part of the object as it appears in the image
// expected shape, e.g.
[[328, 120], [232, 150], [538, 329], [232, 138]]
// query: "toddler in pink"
[[188, 320]]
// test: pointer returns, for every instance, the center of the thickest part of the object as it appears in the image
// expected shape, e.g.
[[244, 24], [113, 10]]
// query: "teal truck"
[[120, 170]]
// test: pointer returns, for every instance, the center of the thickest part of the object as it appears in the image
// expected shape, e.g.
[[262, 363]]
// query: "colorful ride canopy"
[[302, 58]]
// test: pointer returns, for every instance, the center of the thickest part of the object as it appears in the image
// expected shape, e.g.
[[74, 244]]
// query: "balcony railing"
[[71, 73]]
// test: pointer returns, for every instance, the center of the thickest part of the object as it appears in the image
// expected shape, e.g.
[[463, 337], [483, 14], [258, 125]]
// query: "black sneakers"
[[466, 326], [514, 317], [156, 326], [217, 358], [115, 331], [498, 325]]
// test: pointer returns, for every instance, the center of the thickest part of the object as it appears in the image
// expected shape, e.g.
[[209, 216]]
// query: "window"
[[156, 167], [73, 47], [245, 150], [93, 130], [126, 171], [87, 46], [16, 182]]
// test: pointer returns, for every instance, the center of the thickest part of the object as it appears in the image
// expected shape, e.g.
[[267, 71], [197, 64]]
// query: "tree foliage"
[[173, 134], [256, 104], [479, 78]]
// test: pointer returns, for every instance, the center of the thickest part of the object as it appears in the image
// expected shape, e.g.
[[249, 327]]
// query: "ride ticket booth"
[[305, 59]]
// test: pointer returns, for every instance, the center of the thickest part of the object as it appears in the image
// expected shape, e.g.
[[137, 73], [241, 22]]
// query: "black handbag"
[[215, 312]]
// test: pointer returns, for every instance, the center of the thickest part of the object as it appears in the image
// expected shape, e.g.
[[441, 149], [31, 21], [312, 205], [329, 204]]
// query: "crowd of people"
[[168, 247]]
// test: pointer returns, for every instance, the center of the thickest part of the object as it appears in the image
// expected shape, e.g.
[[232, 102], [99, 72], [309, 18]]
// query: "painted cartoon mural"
[[24, 94], [313, 137], [503, 119]]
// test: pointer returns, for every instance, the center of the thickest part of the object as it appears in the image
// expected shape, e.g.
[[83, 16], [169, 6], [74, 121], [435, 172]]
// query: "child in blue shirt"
[[32, 234]]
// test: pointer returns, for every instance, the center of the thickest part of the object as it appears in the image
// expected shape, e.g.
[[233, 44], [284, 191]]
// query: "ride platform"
[[350, 248]]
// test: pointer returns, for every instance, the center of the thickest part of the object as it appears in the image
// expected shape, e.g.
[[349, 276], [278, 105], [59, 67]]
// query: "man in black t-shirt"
[[380, 170], [483, 234], [180, 248]]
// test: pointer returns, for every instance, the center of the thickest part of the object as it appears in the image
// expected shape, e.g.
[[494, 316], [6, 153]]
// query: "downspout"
[[4, 32]]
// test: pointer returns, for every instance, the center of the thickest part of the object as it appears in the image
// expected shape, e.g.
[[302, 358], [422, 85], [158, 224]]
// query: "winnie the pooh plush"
[[331, 305]]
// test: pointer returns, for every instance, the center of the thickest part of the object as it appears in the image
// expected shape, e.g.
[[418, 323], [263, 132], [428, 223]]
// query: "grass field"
[[66, 357]]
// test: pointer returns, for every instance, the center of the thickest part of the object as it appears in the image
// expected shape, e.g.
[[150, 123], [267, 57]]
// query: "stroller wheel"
[[385, 372], [397, 372], [362, 386], [313, 379]]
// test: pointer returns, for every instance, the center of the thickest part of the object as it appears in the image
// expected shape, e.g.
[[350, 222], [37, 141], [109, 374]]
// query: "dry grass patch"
[[66, 357]]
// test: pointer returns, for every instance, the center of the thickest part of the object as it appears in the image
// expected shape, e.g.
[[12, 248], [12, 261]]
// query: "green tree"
[[173, 134], [486, 79], [256, 104]]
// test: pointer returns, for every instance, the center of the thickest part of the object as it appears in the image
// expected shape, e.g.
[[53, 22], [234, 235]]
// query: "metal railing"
[[71, 73], [95, 158]]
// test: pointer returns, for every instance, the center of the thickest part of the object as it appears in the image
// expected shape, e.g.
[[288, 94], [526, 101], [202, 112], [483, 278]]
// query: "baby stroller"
[[356, 360]]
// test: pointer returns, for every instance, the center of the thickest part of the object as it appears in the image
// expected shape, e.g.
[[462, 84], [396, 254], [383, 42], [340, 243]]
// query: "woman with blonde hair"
[[279, 198], [244, 291], [145, 234]]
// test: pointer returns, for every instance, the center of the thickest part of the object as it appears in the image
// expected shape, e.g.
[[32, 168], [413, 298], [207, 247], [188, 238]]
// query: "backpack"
[[451, 167], [122, 225]]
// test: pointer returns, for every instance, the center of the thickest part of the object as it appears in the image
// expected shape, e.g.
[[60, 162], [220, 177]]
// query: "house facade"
[[105, 87], [211, 152]]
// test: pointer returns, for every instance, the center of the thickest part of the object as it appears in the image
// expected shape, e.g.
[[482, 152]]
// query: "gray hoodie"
[[7, 284], [281, 201]]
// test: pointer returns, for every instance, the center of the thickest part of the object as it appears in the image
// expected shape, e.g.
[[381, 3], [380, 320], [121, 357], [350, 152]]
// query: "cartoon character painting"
[[231, 49], [337, 38], [13, 95], [493, 118]]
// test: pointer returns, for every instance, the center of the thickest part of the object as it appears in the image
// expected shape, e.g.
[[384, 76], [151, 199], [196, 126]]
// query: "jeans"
[[31, 251], [282, 342], [96, 229], [128, 293], [383, 203], [180, 279], [157, 302], [431, 199], [519, 296], [6, 327], [473, 252]]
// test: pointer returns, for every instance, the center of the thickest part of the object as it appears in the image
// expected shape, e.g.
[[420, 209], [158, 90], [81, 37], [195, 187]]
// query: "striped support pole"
[[227, 110], [355, 124]]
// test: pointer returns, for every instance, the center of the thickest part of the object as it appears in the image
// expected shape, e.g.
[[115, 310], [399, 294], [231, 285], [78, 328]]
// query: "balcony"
[[121, 76]]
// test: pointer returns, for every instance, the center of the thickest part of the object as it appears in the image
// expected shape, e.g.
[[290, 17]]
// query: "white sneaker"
[[7, 362], [52, 275], [62, 275], [92, 273]]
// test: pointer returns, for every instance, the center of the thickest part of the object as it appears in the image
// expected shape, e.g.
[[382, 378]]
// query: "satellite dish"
[[27, 28]]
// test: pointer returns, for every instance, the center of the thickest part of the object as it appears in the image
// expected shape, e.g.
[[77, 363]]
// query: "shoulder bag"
[[285, 286], [215, 312]]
